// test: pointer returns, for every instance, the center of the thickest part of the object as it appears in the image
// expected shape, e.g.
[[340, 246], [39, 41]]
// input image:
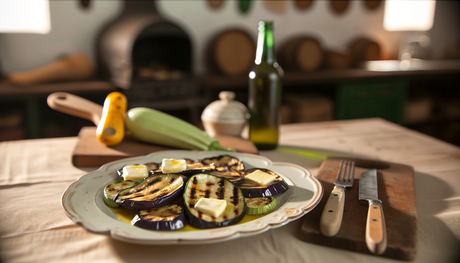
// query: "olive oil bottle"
[[265, 92]]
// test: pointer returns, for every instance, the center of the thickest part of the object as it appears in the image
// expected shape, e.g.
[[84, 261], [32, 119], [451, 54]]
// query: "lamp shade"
[[24, 16], [409, 15]]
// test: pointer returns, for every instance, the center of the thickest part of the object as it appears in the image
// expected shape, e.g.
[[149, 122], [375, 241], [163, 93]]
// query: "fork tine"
[[351, 171], [346, 174], [339, 172]]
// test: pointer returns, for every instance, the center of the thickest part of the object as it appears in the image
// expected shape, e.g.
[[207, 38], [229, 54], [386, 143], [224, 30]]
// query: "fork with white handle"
[[331, 218]]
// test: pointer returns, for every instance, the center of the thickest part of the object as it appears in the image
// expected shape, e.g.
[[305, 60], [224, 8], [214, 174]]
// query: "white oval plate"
[[83, 201]]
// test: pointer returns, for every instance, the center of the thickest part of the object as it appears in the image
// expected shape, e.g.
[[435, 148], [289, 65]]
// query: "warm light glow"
[[409, 15], [24, 16]]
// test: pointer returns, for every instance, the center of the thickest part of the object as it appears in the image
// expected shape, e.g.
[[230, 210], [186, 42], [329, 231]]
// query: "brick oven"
[[149, 58]]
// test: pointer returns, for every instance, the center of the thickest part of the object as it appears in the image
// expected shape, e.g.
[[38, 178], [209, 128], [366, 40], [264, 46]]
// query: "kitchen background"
[[75, 29]]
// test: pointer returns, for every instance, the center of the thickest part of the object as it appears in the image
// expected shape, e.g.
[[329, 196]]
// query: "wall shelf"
[[356, 93]]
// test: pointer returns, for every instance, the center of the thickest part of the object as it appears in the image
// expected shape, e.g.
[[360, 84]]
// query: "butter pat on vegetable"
[[210, 206], [260, 177], [135, 172], [173, 165]]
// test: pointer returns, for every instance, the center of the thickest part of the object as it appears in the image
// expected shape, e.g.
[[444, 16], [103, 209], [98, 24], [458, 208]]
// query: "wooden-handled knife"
[[376, 233]]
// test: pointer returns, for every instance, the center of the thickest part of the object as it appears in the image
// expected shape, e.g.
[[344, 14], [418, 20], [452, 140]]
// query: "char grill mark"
[[162, 195], [172, 181], [156, 180], [192, 193], [195, 181], [220, 193], [235, 196], [135, 191], [222, 183], [132, 193], [207, 193]]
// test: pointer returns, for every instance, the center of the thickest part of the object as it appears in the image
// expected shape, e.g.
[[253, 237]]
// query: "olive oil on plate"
[[126, 215]]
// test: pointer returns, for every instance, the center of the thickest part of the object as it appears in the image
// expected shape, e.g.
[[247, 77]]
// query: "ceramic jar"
[[225, 116]]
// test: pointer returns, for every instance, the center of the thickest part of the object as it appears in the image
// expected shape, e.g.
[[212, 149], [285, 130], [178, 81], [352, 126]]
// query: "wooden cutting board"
[[397, 193], [90, 152]]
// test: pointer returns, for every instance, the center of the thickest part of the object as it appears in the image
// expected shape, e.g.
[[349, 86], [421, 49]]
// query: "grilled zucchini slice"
[[210, 186], [111, 191], [260, 205]]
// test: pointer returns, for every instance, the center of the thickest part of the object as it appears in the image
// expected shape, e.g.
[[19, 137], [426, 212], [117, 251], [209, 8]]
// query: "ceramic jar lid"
[[226, 110]]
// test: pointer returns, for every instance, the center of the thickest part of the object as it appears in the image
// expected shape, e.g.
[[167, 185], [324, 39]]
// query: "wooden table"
[[35, 173]]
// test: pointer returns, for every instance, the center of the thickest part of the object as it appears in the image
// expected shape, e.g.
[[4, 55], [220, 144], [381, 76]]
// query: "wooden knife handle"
[[331, 218], [376, 233], [76, 106]]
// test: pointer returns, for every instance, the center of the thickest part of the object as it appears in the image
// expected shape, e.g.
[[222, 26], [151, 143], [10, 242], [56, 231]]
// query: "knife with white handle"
[[376, 234]]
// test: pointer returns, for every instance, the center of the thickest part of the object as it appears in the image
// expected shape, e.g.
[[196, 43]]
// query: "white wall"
[[331, 29], [74, 29]]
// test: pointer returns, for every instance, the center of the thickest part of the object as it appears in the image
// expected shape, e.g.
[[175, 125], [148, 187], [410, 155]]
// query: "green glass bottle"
[[265, 92]]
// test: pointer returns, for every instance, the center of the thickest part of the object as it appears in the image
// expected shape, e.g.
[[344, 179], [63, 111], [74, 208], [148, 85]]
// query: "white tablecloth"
[[35, 173]]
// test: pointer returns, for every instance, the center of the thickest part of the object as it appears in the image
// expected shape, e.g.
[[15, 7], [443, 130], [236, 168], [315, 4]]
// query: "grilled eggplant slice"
[[225, 162], [210, 186], [193, 167], [167, 217], [153, 191], [252, 189], [260, 205], [233, 176], [152, 167], [198, 167], [111, 191]]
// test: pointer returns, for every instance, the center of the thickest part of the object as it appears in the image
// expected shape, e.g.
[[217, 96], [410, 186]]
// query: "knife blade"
[[376, 236]]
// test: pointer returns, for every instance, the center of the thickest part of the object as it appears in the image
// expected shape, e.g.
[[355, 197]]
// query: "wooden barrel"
[[278, 6], [215, 4], [303, 4], [339, 6], [372, 4], [231, 52], [364, 49], [337, 59], [303, 54]]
